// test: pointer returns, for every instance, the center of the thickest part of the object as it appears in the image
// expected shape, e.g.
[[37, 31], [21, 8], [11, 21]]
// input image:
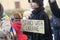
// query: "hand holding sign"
[[36, 26]]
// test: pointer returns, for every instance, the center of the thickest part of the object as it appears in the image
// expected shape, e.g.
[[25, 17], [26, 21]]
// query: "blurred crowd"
[[11, 27]]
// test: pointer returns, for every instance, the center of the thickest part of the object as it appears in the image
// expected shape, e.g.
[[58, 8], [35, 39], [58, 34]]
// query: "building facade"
[[15, 4]]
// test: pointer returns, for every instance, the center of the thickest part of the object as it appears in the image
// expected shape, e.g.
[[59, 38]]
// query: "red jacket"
[[17, 26]]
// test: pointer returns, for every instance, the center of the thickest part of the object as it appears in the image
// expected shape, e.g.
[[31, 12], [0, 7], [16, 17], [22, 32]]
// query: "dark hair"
[[1, 10], [39, 2]]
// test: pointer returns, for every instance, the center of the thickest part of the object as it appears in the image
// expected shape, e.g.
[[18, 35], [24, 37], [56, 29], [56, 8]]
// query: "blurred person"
[[39, 14], [1, 11], [17, 25], [12, 30], [55, 19], [4, 25]]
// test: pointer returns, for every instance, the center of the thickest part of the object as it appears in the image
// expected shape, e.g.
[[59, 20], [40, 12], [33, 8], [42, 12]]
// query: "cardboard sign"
[[35, 26]]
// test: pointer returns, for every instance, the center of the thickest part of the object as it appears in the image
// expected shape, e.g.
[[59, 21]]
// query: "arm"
[[54, 8], [48, 31], [6, 25]]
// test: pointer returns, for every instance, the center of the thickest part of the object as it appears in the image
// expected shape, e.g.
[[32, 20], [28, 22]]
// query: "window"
[[17, 5]]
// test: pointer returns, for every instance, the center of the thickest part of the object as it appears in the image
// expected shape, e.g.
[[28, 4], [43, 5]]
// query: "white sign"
[[36, 26]]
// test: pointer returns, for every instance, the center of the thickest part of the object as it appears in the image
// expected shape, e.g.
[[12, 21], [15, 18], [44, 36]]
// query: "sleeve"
[[54, 8], [48, 30], [6, 25]]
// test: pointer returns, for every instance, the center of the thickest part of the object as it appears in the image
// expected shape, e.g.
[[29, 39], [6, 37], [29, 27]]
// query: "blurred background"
[[21, 5], [11, 6]]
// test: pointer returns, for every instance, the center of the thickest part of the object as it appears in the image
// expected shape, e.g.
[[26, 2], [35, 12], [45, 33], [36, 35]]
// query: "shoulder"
[[44, 16], [43, 13]]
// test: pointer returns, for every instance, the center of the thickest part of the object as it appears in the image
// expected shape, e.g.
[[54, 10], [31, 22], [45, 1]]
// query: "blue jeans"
[[56, 33]]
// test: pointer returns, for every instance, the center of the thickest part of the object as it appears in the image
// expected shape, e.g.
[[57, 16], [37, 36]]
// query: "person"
[[39, 14], [12, 30], [17, 25], [55, 19], [1, 10], [4, 25]]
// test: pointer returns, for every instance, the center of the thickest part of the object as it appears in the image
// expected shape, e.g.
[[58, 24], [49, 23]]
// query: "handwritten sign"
[[35, 26]]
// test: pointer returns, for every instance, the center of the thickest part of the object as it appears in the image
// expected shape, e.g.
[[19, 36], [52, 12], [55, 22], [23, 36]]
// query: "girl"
[[17, 25]]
